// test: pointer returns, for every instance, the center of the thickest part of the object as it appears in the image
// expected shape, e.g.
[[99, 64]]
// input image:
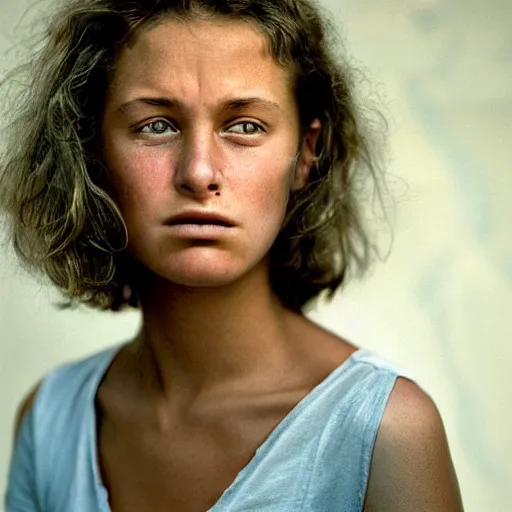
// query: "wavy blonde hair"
[[63, 222]]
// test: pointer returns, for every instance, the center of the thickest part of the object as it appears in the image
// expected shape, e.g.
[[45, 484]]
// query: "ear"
[[307, 154]]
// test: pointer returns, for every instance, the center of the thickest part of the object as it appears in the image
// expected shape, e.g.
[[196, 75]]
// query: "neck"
[[201, 339]]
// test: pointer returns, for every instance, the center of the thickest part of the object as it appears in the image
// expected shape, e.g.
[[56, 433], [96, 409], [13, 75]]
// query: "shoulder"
[[411, 468], [64, 383], [24, 407]]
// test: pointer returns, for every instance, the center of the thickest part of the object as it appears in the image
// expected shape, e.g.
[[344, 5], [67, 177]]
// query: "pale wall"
[[439, 304]]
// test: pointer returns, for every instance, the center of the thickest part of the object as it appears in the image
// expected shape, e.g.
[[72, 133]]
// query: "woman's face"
[[199, 118]]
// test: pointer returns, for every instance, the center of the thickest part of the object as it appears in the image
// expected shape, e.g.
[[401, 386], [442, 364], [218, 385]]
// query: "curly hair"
[[64, 224]]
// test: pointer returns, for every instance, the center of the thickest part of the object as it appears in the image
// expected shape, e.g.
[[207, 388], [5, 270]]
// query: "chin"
[[206, 267], [202, 272], [201, 281]]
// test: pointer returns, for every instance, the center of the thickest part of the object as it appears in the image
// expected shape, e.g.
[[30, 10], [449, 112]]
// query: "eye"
[[246, 128], [158, 128]]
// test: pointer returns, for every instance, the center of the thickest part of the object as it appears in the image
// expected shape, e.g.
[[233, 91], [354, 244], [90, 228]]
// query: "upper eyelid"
[[260, 125], [230, 124], [145, 124]]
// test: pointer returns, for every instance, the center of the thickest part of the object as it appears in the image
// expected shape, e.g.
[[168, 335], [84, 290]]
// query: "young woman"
[[199, 160]]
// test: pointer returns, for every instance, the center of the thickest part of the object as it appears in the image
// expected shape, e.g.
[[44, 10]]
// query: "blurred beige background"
[[439, 305]]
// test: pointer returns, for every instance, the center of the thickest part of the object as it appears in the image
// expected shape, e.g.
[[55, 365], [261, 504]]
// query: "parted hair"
[[59, 215]]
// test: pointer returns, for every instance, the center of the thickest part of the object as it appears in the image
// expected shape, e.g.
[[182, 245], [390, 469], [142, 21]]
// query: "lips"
[[198, 217]]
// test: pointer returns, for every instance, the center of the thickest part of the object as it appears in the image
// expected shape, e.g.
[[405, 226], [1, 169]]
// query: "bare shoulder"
[[24, 407], [411, 468]]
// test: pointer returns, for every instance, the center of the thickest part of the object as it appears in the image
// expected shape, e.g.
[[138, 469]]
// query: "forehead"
[[201, 60]]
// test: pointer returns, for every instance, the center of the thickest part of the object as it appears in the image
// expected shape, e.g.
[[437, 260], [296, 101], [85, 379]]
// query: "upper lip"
[[200, 217]]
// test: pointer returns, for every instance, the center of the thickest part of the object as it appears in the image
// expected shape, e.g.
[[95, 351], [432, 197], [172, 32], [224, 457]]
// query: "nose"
[[197, 174]]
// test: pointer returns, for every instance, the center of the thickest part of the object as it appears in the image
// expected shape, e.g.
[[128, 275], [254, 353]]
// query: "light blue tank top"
[[316, 460]]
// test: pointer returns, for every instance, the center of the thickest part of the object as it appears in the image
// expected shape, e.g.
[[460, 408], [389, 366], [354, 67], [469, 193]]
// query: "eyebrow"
[[155, 102], [243, 103], [228, 105]]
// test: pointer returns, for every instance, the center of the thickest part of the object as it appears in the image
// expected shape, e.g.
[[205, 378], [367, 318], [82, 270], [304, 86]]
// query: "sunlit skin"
[[210, 123], [198, 115]]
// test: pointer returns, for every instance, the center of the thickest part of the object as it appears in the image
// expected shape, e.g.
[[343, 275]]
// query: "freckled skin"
[[201, 65], [184, 407]]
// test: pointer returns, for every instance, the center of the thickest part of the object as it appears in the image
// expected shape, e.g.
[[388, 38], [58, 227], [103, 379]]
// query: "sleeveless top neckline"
[[317, 459], [93, 441]]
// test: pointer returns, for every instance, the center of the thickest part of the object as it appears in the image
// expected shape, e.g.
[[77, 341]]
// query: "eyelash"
[[259, 129], [152, 124]]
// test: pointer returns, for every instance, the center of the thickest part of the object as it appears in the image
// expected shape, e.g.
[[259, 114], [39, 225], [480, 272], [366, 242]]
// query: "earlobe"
[[307, 156]]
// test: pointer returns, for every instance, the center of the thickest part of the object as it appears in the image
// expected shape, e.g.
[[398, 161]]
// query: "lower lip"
[[198, 230]]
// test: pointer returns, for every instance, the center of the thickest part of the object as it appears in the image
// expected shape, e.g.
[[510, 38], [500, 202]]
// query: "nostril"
[[186, 187]]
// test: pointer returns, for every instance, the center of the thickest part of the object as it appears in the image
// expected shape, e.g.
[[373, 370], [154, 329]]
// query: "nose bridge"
[[197, 169]]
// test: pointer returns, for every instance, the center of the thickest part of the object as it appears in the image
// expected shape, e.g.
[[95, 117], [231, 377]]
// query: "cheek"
[[139, 178], [267, 188]]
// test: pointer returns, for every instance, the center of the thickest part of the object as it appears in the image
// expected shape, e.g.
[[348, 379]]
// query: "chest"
[[185, 466]]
